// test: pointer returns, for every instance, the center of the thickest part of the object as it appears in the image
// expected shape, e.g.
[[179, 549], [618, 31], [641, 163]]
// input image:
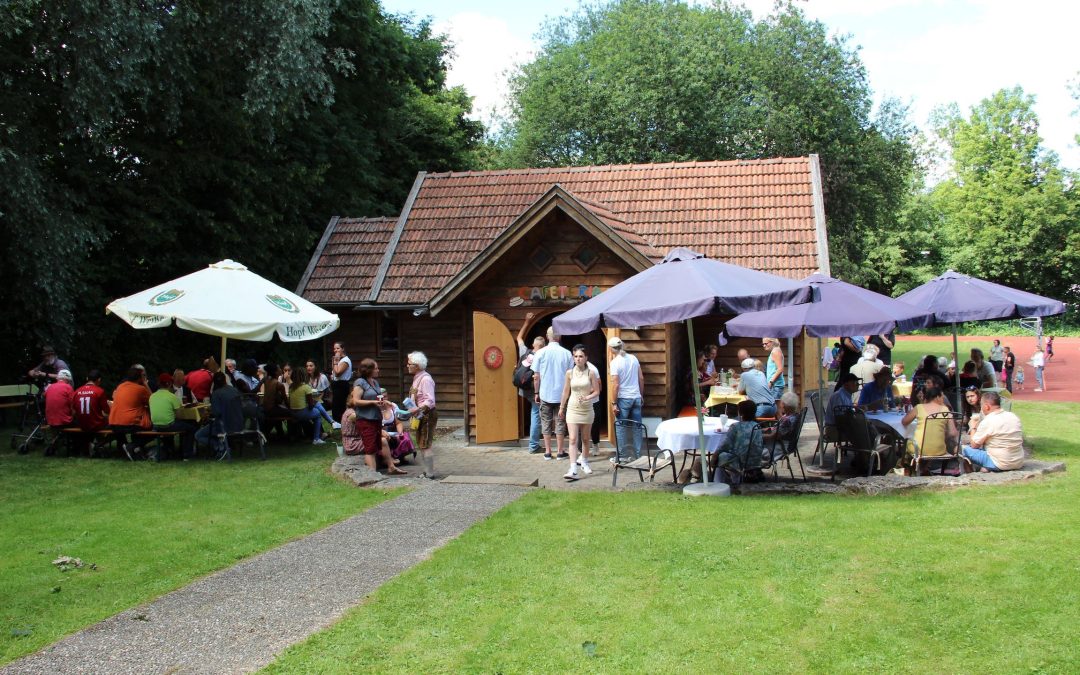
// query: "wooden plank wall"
[[438, 338], [562, 237]]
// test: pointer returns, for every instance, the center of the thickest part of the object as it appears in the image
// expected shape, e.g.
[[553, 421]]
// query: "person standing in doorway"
[[341, 373], [549, 376], [525, 360], [627, 386]]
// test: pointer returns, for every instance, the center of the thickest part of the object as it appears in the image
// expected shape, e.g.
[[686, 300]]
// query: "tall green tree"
[[659, 80], [141, 141], [1009, 211]]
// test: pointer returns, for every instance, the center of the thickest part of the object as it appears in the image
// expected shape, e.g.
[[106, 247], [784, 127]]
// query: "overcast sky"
[[924, 52]]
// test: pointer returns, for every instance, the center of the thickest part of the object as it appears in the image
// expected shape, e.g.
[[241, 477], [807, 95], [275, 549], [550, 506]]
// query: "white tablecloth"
[[681, 433], [892, 419]]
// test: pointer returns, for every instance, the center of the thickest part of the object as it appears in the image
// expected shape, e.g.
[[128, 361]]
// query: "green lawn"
[[148, 529], [973, 580]]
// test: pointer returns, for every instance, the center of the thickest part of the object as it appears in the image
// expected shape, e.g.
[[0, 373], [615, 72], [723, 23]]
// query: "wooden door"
[[606, 396], [494, 359]]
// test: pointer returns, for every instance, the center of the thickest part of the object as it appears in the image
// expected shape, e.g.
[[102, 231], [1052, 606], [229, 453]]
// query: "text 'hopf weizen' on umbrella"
[[954, 298], [683, 286], [230, 301]]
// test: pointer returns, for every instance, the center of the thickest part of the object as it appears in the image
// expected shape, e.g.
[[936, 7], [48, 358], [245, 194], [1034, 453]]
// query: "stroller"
[[32, 415]]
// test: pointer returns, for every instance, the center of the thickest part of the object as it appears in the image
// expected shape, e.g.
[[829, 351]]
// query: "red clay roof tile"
[[757, 213]]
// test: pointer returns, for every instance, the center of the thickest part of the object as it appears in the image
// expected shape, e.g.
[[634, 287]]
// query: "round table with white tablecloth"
[[892, 420], [681, 434]]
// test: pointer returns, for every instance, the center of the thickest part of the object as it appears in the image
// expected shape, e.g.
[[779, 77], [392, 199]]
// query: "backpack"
[[523, 377]]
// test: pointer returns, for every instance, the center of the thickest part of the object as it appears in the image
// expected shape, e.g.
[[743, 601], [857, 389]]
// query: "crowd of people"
[[866, 377], [206, 404]]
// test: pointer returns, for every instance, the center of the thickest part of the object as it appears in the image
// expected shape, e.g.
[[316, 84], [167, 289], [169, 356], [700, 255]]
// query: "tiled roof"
[[349, 259], [754, 213]]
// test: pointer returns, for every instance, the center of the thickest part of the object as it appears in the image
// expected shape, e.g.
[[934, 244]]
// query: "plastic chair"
[[782, 450], [635, 455]]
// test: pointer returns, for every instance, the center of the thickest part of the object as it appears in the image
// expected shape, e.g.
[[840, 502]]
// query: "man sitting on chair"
[[756, 387], [846, 387], [877, 393], [998, 443]]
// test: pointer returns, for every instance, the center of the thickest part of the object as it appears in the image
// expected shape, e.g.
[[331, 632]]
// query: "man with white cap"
[[756, 387], [59, 408], [627, 385]]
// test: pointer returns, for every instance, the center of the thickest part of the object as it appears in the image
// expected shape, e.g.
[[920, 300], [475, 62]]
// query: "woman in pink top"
[[422, 393]]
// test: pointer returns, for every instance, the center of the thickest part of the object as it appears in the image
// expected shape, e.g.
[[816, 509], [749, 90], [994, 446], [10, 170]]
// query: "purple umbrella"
[[839, 308], [954, 298], [684, 285]]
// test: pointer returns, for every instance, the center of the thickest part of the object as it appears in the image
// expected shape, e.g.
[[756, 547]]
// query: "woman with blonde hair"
[[774, 367], [581, 389]]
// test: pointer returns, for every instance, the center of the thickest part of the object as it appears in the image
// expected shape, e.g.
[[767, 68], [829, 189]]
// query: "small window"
[[388, 332], [541, 258], [585, 257]]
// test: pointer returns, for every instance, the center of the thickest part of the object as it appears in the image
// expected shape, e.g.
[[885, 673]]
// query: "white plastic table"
[[892, 419], [681, 433]]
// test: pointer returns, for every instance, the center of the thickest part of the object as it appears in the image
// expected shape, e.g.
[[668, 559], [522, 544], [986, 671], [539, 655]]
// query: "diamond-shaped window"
[[541, 258], [585, 257]]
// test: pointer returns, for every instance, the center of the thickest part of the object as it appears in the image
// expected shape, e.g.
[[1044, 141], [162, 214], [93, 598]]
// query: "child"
[[1049, 347], [1018, 377], [350, 433], [898, 372]]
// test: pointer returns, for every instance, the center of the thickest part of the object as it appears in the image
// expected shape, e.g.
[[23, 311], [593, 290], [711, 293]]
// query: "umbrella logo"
[[165, 297], [283, 304]]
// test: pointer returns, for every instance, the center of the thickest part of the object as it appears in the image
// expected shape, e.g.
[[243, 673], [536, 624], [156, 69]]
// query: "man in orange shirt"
[[130, 411]]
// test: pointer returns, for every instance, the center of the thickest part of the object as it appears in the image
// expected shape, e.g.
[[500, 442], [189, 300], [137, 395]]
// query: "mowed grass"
[[974, 580], [147, 528]]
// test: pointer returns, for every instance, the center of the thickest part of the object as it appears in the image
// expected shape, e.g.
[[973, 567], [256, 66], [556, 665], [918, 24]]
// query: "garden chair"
[[933, 436], [632, 451], [826, 435], [781, 450], [858, 436]]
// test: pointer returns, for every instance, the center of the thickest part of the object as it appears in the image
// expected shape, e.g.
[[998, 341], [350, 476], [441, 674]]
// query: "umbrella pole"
[[820, 452], [697, 403], [791, 364], [224, 341]]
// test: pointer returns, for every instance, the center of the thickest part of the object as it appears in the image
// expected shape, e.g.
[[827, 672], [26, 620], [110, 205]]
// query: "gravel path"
[[238, 619]]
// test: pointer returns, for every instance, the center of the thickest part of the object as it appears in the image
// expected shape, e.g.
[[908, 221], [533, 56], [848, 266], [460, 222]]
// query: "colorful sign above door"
[[552, 295]]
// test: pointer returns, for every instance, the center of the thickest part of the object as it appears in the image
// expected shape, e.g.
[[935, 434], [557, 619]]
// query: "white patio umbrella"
[[230, 301]]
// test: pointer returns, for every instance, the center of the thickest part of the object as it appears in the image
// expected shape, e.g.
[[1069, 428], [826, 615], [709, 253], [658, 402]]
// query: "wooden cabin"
[[472, 254]]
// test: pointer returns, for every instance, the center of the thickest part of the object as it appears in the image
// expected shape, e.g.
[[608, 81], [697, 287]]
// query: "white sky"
[[924, 52]]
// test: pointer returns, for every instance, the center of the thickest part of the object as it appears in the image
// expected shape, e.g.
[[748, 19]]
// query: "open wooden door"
[[494, 360], [606, 396]]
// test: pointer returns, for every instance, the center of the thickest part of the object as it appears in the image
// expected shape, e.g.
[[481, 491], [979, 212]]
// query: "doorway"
[[595, 344]]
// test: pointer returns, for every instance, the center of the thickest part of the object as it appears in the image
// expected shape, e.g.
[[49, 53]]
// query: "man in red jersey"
[[91, 408]]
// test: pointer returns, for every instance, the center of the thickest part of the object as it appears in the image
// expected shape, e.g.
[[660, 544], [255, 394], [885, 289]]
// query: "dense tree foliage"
[[141, 141], [1009, 212], [658, 81]]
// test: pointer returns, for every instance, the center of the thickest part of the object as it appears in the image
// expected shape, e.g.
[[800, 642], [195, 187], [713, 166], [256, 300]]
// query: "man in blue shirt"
[[756, 387], [877, 393], [846, 387], [549, 367]]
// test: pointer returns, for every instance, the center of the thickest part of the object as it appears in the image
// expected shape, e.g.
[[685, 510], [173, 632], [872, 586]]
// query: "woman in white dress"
[[581, 389]]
